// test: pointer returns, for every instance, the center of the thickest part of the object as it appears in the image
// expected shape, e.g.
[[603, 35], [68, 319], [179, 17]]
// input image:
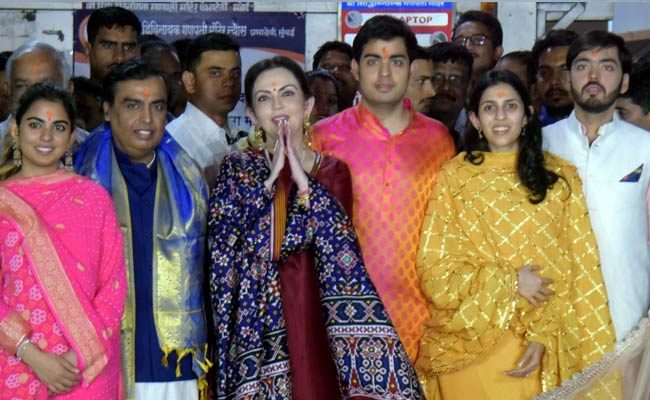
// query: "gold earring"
[[68, 161], [480, 133], [307, 131], [258, 137], [18, 155]]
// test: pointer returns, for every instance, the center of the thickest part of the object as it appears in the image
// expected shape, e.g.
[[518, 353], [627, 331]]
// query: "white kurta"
[[178, 390], [615, 171], [203, 139]]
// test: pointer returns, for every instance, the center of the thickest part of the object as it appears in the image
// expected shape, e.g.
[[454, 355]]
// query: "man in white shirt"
[[613, 160], [212, 77]]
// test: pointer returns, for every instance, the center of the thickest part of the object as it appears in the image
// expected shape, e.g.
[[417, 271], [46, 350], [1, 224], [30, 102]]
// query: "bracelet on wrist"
[[22, 346], [303, 198]]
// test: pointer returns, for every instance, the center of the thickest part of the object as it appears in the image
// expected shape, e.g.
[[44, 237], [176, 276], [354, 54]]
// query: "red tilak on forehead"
[[146, 92], [49, 115], [384, 52], [594, 53], [500, 94]]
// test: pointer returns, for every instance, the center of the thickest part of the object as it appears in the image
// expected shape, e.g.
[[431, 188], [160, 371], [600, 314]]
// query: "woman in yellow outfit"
[[508, 261]]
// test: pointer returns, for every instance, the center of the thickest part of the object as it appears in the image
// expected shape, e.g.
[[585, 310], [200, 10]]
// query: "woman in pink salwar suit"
[[61, 257]]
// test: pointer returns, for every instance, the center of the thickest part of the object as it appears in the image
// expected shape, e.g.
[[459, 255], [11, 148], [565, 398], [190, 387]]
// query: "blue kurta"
[[141, 186]]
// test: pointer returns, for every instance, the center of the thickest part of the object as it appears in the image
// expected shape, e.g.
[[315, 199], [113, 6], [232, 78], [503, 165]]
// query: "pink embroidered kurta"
[[63, 283], [392, 176]]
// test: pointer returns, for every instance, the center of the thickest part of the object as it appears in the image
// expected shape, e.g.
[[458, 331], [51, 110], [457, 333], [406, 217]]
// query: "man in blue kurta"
[[160, 198]]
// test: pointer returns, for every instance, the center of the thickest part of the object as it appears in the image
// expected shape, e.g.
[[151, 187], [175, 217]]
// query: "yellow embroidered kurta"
[[478, 231]]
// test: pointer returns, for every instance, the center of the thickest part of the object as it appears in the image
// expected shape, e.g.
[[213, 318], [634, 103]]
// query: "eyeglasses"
[[453, 80], [476, 39], [333, 68]]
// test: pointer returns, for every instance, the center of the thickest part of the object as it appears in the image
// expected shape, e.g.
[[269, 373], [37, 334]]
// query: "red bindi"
[[146, 92], [500, 94], [594, 53], [384, 52], [49, 115]]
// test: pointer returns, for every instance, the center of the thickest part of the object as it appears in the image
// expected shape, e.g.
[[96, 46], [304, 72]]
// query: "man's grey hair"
[[32, 46]]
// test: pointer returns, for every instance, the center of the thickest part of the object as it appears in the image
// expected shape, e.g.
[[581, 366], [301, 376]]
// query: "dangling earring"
[[480, 133], [18, 155], [258, 137], [67, 163], [523, 130], [307, 131]]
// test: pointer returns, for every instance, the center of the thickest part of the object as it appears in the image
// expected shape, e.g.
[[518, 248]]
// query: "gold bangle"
[[303, 198]]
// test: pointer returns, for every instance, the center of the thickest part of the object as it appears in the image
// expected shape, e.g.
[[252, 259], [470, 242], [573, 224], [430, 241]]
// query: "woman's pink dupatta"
[[69, 304]]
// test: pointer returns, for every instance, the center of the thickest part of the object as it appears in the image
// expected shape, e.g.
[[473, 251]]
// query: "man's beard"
[[592, 105], [559, 108], [560, 111]]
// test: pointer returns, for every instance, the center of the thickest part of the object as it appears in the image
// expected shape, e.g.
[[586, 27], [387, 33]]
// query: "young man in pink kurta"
[[394, 154]]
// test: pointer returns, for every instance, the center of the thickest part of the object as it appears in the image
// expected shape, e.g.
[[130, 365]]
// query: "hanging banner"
[[260, 34], [430, 21]]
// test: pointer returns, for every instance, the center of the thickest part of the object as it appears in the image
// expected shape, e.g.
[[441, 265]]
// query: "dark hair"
[[526, 59], [530, 160], [180, 46], [207, 42], [45, 91], [384, 27], [600, 40], [454, 53], [151, 46], [420, 53], [490, 21], [553, 38], [333, 45], [83, 84], [4, 56], [110, 17], [271, 63], [147, 38], [131, 70], [323, 74], [36, 92], [645, 58], [639, 87]]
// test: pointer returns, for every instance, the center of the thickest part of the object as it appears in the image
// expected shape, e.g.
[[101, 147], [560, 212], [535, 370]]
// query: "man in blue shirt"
[[161, 203], [553, 75]]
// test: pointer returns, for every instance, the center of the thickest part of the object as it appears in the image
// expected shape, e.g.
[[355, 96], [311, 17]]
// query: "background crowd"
[[401, 222]]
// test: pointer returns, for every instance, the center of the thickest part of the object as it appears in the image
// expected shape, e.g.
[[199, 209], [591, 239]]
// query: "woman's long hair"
[[39, 91], [530, 160]]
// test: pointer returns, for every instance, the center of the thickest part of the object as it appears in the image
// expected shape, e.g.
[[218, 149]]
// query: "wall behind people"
[[53, 25], [52, 22]]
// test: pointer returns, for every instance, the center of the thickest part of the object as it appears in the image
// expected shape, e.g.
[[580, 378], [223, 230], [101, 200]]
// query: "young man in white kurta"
[[212, 77], [202, 138], [613, 160]]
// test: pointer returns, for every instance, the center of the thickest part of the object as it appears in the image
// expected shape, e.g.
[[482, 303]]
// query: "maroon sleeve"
[[334, 174]]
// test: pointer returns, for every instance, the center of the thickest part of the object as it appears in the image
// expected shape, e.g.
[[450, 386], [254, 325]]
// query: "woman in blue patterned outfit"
[[296, 315]]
